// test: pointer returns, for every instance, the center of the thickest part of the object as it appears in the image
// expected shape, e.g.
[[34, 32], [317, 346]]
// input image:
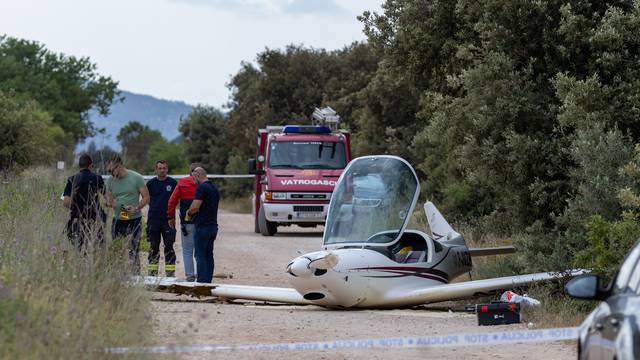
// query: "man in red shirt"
[[184, 194]]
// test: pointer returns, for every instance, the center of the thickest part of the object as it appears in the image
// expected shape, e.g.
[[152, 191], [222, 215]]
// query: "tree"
[[28, 135], [66, 87], [285, 86], [172, 153], [136, 140], [100, 157], [206, 138], [236, 188]]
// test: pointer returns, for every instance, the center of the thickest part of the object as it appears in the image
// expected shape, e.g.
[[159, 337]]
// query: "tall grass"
[[55, 303]]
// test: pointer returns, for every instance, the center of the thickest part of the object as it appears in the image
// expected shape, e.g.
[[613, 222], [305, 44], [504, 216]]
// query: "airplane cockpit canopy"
[[372, 202]]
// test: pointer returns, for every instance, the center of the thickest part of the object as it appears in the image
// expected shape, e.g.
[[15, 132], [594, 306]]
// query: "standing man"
[[81, 196], [160, 189], [204, 210], [124, 191], [184, 193]]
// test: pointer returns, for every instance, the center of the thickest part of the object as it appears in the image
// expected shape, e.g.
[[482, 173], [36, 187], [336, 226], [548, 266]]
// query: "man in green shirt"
[[127, 194]]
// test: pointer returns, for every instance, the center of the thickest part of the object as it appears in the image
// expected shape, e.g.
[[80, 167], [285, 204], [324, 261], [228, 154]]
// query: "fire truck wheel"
[[267, 228]]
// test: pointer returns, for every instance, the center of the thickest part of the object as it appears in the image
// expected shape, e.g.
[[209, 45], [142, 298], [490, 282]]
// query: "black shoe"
[[171, 274], [191, 278], [153, 273]]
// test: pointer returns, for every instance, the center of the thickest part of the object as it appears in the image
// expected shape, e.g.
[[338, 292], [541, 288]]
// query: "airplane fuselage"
[[364, 277]]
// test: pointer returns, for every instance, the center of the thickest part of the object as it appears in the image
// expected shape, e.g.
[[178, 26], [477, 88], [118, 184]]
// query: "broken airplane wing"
[[230, 292], [432, 294], [468, 289]]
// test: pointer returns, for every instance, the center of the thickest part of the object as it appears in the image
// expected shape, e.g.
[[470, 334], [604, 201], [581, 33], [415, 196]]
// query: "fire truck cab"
[[296, 168]]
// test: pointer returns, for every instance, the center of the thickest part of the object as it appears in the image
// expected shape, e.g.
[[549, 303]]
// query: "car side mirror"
[[586, 287], [253, 170]]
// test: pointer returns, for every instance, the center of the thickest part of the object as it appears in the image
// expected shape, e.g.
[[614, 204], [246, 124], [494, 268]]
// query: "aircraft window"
[[372, 201], [411, 248], [383, 237]]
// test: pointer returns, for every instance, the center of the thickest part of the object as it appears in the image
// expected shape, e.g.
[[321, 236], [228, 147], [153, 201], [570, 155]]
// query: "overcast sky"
[[181, 49]]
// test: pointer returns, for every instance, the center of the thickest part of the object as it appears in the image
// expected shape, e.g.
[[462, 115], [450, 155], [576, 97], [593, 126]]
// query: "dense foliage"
[[205, 138], [61, 89], [520, 116], [286, 84], [28, 136]]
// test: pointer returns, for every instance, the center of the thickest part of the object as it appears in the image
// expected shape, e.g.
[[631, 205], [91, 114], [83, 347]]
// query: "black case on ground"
[[498, 313]]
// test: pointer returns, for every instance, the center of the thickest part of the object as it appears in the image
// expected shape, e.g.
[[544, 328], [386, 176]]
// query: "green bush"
[[236, 188], [607, 243], [28, 136]]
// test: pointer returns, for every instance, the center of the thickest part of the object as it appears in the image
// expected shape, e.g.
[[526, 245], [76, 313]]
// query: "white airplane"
[[369, 259]]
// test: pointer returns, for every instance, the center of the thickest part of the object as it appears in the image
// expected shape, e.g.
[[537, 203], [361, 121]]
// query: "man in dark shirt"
[[204, 210], [160, 189], [81, 196]]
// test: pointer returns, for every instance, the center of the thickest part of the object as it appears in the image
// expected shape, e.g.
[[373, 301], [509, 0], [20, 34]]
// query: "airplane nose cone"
[[300, 267]]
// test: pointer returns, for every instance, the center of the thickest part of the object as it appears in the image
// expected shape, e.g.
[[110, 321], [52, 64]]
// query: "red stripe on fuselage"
[[414, 269], [426, 273]]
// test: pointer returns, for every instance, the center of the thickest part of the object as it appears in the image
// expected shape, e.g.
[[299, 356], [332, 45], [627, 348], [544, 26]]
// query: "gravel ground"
[[243, 257]]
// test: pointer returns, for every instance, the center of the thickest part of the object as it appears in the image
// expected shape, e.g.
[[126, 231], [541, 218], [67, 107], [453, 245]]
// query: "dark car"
[[611, 331]]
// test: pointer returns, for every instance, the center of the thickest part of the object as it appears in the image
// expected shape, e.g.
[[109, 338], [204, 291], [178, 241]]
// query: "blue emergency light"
[[306, 129]]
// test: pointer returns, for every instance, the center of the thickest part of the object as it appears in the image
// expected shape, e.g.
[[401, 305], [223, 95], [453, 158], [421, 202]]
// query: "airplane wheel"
[[267, 228]]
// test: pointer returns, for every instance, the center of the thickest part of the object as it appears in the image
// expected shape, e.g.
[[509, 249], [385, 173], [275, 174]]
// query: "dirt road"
[[256, 260]]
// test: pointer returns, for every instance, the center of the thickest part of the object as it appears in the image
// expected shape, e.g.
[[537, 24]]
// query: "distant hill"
[[159, 114]]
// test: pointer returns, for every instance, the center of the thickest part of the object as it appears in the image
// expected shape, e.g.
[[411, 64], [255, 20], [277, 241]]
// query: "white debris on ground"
[[523, 300]]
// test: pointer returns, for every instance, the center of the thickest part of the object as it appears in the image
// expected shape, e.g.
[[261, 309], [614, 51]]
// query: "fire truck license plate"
[[309, 215]]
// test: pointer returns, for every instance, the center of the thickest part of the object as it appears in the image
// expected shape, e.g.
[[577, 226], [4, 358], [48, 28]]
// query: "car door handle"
[[614, 322]]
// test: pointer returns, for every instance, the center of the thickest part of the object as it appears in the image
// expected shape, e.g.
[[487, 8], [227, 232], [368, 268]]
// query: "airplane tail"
[[444, 233], [440, 228]]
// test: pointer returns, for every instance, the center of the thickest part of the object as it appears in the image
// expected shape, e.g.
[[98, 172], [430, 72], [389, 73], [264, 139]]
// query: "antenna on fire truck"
[[327, 117]]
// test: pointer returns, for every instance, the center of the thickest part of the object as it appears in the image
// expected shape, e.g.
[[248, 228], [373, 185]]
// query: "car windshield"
[[307, 155], [372, 201]]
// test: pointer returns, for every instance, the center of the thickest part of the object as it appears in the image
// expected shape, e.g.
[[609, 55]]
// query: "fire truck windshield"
[[307, 155]]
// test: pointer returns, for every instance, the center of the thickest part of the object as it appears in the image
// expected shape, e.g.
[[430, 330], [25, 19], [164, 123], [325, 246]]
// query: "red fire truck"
[[296, 168]]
